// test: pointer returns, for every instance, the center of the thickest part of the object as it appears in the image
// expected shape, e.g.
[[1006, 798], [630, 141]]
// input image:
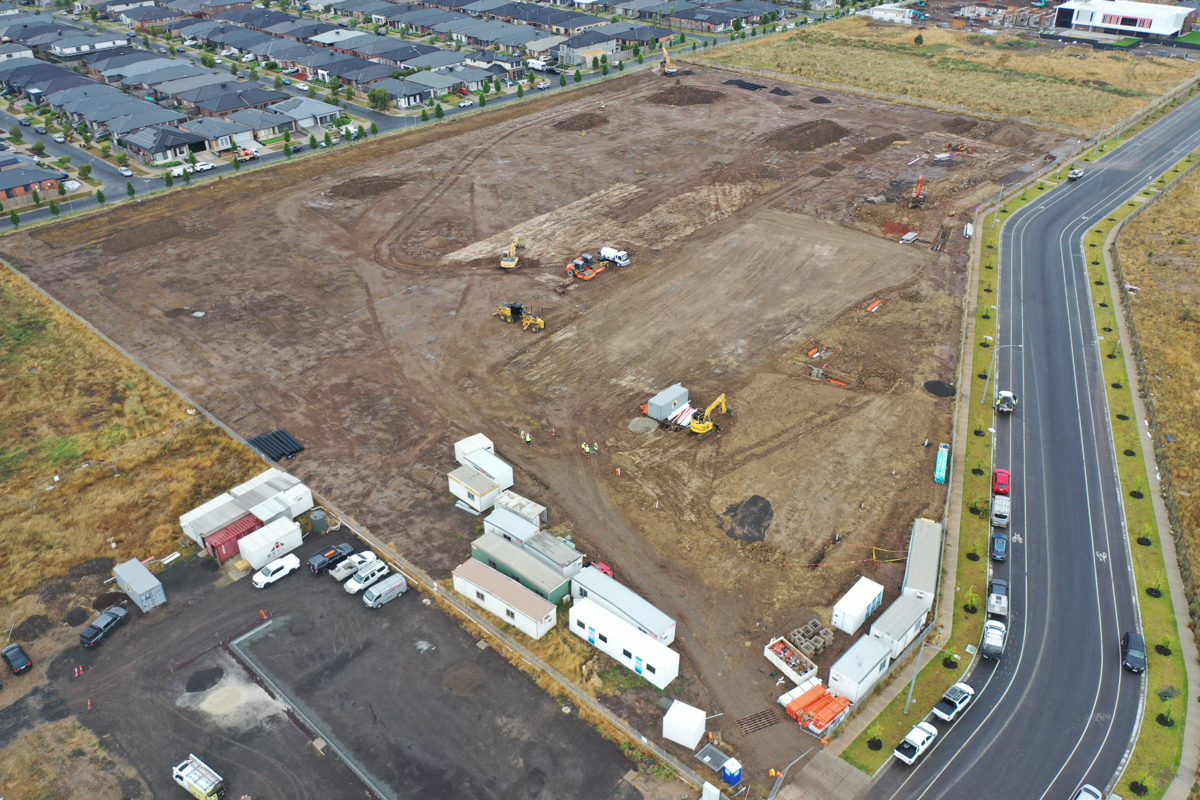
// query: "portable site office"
[[624, 602]]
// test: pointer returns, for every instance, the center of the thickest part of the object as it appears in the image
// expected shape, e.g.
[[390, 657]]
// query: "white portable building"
[[522, 507], [508, 524], [624, 602], [492, 467], [270, 542], [505, 598], [470, 444], [290, 503], [900, 624], [473, 488], [188, 521], [258, 480], [556, 553], [860, 668], [629, 646], [922, 568], [667, 402], [856, 605], [684, 724]]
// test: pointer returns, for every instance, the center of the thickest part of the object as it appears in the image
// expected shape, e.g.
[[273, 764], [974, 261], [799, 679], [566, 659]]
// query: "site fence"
[[1157, 434]]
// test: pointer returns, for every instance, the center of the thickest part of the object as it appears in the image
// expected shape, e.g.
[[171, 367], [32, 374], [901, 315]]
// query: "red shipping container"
[[223, 544]]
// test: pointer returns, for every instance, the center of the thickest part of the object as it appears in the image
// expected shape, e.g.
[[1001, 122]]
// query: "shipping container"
[[135, 580], [470, 444], [667, 402], [856, 605], [270, 542], [256, 481], [223, 544]]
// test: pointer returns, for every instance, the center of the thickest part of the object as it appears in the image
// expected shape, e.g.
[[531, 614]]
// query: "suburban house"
[[145, 17], [77, 45], [581, 49], [630, 34], [508, 600], [506, 65], [222, 99], [540, 48], [438, 82], [160, 144], [17, 185], [705, 20], [307, 112], [403, 92], [14, 50], [220, 134], [263, 124], [1124, 18], [473, 79]]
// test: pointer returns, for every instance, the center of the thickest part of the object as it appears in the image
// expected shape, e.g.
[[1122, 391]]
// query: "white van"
[[1001, 509], [366, 575], [387, 589]]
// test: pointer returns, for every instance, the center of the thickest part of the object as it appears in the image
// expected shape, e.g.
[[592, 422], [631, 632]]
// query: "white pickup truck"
[[352, 564], [919, 739]]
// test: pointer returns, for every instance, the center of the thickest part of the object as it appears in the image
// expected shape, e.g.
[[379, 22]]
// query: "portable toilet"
[[731, 772], [145, 590]]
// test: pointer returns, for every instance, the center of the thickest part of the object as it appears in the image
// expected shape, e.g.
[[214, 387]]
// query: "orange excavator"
[[917, 199]]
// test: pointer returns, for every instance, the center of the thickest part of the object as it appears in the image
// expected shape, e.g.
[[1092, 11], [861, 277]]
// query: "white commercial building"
[[860, 668], [921, 571], [629, 646], [473, 489], [624, 602], [856, 605], [891, 12], [1119, 17], [505, 598], [491, 466], [900, 624]]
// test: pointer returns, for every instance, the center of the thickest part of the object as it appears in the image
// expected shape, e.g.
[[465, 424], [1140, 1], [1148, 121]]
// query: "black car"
[[297, 148], [999, 548], [329, 557], [39, 128], [24, 122], [1133, 652], [95, 634], [16, 659]]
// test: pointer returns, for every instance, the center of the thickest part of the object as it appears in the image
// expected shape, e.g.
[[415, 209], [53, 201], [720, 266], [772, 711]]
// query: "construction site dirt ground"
[[349, 299]]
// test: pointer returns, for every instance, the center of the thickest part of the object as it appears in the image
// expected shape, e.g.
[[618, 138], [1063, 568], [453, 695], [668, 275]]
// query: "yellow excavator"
[[667, 68], [516, 312], [702, 424], [509, 259]]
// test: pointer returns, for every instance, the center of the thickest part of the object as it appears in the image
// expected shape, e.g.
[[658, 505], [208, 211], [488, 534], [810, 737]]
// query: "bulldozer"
[[917, 198], [702, 424], [667, 67], [509, 259], [516, 312], [585, 267]]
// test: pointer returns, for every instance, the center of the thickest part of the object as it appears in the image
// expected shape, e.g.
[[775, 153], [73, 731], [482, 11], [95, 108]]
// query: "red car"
[[1000, 480]]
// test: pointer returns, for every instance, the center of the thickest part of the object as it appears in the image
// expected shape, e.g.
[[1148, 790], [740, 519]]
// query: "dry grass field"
[[68, 399], [1160, 254], [1000, 75]]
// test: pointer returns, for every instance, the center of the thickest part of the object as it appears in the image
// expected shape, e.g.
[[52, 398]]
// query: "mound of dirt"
[[958, 125], [204, 679], [739, 172], [77, 616], [127, 241], [820, 173], [820, 99], [873, 146], [1010, 134], [362, 188], [32, 628], [439, 244], [114, 599], [807, 135], [749, 519], [581, 122], [833, 166], [685, 96]]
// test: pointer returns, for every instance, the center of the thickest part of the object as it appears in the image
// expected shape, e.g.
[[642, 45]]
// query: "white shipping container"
[[492, 467], [186, 520], [300, 498], [256, 481], [470, 444], [270, 542], [856, 605]]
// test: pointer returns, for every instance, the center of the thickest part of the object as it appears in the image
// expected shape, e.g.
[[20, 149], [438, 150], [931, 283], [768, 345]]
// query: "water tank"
[[317, 518]]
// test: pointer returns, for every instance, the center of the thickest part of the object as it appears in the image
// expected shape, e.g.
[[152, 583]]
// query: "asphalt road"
[[1057, 711]]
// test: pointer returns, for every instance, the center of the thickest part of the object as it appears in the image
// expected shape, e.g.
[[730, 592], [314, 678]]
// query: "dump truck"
[[201, 780], [919, 739]]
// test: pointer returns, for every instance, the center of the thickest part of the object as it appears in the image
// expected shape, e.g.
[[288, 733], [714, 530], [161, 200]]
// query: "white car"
[[229, 52], [190, 43], [177, 172], [957, 698], [275, 570], [352, 565], [218, 61], [466, 104], [246, 59], [58, 137], [291, 70], [366, 575], [302, 87], [203, 166], [125, 172]]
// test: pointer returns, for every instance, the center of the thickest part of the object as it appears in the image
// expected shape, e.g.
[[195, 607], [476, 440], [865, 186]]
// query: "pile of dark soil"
[[362, 188], [833, 166], [781, 92], [959, 125], [807, 135], [581, 122], [32, 627], [112, 599], [873, 146], [77, 616], [685, 96], [743, 172], [820, 99], [131, 239]]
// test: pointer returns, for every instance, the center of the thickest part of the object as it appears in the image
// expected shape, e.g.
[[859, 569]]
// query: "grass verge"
[[1001, 75], [892, 724]]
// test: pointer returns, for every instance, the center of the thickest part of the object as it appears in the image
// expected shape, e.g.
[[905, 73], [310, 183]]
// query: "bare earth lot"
[[351, 302]]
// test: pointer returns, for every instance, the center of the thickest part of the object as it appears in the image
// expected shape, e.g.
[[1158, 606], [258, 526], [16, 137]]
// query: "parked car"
[[127, 172], [366, 576], [296, 148], [302, 87], [466, 104], [507, 82], [247, 59], [1074, 175], [190, 42], [1133, 652], [1087, 792], [16, 659], [24, 122], [1000, 481], [329, 557], [229, 52], [108, 621], [543, 85], [957, 698], [291, 70], [998, 550], [177, 172], [384, 591], [275, 570], [58, 137], [287, 81], [39, 129], [352, 564], [203, 166]]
